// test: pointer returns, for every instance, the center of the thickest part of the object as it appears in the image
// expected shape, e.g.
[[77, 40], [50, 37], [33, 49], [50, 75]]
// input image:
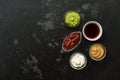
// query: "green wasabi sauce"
[[72, 19]]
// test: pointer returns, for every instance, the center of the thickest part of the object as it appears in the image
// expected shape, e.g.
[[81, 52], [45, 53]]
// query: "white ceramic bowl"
[[98, 36]]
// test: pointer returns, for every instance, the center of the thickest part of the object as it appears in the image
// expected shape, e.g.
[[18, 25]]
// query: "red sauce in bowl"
[[71, 41]]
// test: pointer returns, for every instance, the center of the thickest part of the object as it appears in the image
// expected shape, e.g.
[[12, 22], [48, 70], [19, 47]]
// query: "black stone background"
[[32, 31]]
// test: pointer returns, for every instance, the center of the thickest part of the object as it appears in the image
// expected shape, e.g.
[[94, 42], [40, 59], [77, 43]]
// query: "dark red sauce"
[[71, 41], [92, 30]]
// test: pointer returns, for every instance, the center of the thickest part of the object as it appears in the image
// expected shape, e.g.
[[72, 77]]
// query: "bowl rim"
[[103, 55], [99, 35], [78, 68], [65, 50]]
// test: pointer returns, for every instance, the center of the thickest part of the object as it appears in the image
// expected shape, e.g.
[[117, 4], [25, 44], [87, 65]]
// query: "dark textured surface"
[[32, 31]]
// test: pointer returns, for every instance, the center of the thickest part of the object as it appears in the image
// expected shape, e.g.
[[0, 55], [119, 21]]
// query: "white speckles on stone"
[[78, 10], [31, 60], [34, 35], [51, 45], [38, 71], [15, 42], [62, 23], [34, 59], [39, 23], [36, 38], [49, 22], [95, 10], [53, 40], [58, 59], [56, 43], [30, 66], [48, 25], [25, 70], [86, 6], [92, 8], [46, 2], [82, 16], [48, 15]]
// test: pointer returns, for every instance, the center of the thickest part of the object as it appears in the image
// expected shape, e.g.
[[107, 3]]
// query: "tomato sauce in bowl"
[[71, 41]]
